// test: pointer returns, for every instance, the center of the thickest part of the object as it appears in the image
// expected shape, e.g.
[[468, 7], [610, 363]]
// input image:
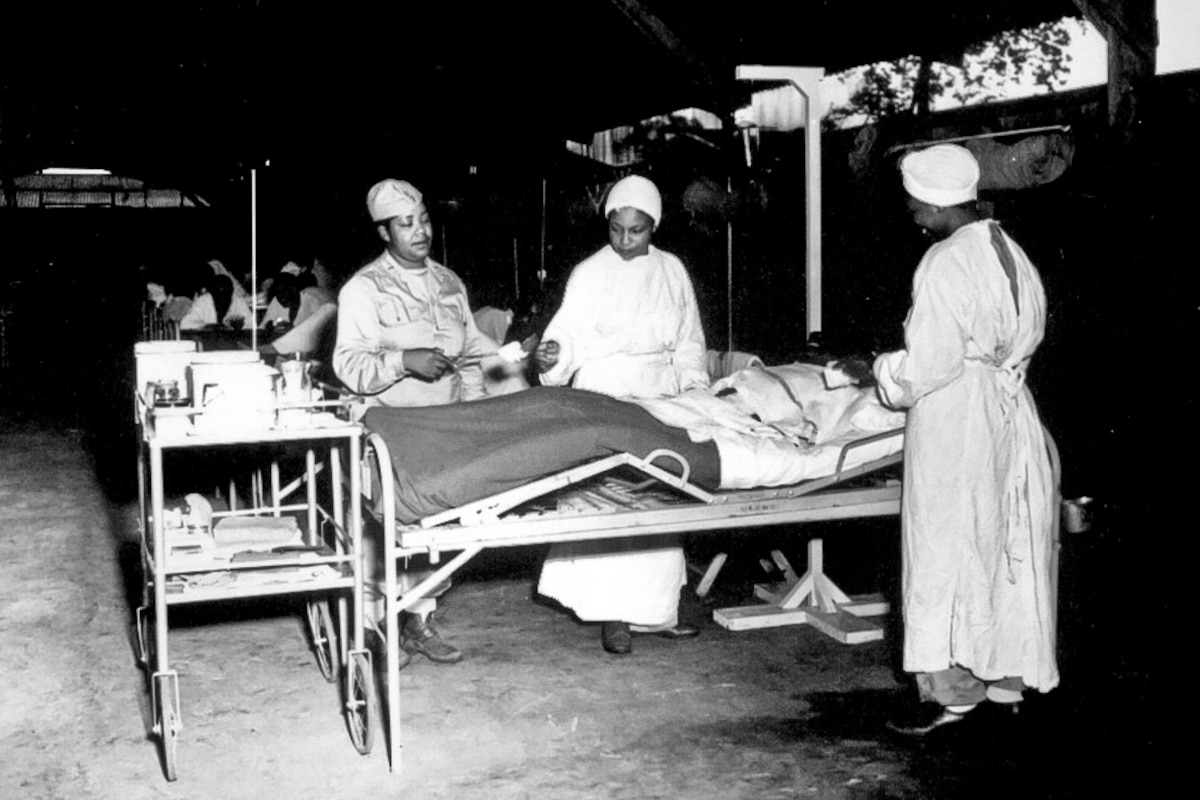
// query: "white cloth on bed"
[[978, 507], [775, 426]]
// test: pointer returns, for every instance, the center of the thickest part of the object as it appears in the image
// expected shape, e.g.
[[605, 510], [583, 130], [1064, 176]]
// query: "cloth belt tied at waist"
[[1010, 378]]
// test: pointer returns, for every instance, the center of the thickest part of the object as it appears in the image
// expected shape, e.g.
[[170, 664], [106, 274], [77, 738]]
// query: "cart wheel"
[[166, 720], [360, 702], [323, 636]]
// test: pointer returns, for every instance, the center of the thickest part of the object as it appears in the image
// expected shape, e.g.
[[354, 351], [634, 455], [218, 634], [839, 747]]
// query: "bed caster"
[[360, 701], [324, 638]]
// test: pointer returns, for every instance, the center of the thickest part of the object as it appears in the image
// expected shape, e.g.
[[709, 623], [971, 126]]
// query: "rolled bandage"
[[511, 352]]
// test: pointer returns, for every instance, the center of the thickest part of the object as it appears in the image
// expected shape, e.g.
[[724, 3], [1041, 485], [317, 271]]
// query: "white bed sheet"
[[777, 426]]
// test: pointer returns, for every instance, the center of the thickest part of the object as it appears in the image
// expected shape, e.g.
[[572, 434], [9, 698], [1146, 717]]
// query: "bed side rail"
[[489, 509]]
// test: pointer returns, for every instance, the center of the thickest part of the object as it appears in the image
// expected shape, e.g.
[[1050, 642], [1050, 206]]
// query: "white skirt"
[[629, 580]]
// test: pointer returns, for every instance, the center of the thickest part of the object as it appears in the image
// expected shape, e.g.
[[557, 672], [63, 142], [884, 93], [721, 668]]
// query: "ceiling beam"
[[661, 36]]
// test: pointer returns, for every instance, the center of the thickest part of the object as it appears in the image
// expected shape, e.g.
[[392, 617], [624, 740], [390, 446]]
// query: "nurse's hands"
[[429, 363], [546, 355]]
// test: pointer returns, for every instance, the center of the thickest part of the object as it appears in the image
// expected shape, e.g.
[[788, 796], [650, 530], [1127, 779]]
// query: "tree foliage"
[[1036, 56]]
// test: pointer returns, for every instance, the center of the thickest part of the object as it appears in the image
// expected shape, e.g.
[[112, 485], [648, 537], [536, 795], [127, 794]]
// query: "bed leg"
[[710, 574], [812, 599]]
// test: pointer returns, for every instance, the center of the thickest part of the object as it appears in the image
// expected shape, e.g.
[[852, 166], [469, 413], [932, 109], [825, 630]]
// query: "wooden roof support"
[[7, 186], [1131, 29]]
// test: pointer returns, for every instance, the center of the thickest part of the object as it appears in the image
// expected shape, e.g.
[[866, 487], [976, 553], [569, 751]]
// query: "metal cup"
[[1077, 515], [296, 385]]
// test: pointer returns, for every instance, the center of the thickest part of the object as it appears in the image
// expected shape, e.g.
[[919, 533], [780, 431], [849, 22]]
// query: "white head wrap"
[[942, 175], [392, 198], [635, 192]]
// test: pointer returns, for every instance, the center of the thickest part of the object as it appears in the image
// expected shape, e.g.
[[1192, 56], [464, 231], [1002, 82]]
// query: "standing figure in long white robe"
[[978, 497], [629, 326]]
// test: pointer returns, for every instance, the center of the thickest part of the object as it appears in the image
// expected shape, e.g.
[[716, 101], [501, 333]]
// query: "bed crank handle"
[[859, 443], [685, 469]]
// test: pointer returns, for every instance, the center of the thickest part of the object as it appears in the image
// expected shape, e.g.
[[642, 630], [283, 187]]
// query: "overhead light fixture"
[[74, 171]]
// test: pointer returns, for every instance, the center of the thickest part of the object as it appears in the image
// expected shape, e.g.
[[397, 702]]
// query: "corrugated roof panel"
[[163, 198]]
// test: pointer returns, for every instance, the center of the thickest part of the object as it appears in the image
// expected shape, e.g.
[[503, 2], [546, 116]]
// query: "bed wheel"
[[164, 701], [360, 702], [323, 637]]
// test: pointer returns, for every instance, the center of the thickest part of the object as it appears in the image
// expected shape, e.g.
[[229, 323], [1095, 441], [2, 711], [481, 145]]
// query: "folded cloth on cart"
[[446, 456], [255, 533]]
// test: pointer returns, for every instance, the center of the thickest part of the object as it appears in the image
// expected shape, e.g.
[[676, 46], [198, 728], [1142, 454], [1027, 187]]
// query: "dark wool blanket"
[[446, 456]]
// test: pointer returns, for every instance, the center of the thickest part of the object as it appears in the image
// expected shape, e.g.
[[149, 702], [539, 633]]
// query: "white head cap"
[[392, 198], [942, 175], [635, 192]]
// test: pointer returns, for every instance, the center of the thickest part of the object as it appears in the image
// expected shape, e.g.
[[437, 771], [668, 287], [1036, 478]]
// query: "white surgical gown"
[[625, 328], [978, 492], [629, 327]]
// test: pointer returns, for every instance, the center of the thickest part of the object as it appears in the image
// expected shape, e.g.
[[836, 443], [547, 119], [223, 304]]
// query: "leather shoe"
[[418, 636], [677, 632], [616, 638], [926, 720]]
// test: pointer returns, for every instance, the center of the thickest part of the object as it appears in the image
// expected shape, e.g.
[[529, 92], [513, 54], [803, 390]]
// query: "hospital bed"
[[560, 465]]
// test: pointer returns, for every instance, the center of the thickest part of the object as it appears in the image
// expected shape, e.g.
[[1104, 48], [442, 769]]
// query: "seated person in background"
[[174, 306], [406, 337], [293, 297], [217, 304]]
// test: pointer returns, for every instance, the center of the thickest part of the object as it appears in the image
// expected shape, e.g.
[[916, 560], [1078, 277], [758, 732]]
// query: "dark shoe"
[[418, 636], [1005, 710], [1002, 715], [616, 638], [926, 719], [678, 632]]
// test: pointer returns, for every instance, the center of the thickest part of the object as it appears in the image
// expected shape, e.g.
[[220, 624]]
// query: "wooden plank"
[[840, 625], [845, 627], [860, 605], [866, 605], [745, 618]]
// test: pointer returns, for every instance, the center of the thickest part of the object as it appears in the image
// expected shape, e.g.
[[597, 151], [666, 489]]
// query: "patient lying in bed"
[[758, 427]]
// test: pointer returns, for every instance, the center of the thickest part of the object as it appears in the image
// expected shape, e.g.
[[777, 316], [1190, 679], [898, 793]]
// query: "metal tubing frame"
[[153, 547]]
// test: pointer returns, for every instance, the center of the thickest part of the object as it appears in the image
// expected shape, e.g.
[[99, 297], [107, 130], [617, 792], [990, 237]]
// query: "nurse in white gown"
[[977, 509], [628, 326]]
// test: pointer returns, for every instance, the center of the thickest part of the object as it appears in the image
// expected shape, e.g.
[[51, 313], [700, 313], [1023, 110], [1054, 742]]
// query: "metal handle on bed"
[[685, 469], [876, 437]]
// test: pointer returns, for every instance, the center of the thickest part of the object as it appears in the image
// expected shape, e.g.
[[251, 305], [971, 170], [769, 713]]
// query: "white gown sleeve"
[[935, 339], [566, 327], [691, 354]]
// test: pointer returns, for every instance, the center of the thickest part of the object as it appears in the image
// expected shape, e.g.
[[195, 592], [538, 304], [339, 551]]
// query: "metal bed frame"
[[498, 522]]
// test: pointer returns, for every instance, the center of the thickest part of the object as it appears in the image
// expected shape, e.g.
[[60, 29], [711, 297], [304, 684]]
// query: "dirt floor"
[[537, 709]]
